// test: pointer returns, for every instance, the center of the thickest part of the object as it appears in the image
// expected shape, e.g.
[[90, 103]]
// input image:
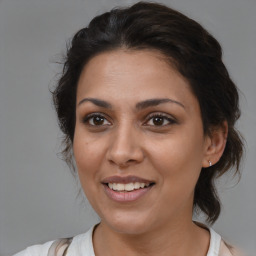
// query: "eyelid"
[[168, 117], [87, 117]]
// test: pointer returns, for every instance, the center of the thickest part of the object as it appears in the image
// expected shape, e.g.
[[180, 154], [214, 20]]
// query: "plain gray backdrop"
[[38, 199]]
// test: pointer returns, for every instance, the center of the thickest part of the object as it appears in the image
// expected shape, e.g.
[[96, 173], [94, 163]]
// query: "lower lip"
[[126, 196]]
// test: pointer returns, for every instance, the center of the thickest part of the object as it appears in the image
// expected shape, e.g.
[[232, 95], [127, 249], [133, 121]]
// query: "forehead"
[[130, 74]]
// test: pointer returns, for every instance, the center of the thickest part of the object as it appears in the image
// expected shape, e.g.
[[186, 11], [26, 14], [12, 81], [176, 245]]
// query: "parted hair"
[[190, 49]]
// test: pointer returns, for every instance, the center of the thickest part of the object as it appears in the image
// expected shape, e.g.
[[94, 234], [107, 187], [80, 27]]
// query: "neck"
[[181, 238]]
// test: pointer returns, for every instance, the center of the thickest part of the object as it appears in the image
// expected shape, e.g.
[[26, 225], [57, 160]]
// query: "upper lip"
[[125, 179]]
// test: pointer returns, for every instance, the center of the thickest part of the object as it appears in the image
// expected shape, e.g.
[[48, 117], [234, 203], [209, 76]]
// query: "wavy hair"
[[189, 48]]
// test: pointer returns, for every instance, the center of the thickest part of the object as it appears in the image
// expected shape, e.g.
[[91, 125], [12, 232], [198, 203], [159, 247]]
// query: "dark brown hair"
[[189, 48]]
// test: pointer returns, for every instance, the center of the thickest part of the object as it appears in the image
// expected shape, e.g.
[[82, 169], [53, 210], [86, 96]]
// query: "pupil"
[[98, 120], [158, 120]]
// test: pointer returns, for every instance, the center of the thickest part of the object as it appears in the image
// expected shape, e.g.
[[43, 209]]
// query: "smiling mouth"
[[127, 188], [120, 187]]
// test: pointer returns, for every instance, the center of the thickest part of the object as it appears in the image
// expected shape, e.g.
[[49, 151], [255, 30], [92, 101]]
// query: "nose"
[[125, 147]]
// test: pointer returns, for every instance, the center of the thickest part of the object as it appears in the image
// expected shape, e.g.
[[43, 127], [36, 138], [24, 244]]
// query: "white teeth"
[[119, 187], [142, 185], [127, 187], [137, 185]]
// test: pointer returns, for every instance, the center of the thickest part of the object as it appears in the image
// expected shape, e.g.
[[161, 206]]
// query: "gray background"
[[37, 192]]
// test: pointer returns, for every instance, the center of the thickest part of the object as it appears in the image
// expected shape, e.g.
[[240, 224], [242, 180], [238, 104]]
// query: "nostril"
[[131, 161]]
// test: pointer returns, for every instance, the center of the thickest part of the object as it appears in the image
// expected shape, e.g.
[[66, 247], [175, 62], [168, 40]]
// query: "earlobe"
[[215, 145]]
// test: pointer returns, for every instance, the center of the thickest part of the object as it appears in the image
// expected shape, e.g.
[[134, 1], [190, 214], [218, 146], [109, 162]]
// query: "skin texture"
[[129, 141]]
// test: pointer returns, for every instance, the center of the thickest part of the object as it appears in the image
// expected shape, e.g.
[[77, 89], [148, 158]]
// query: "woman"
[[148, 111]]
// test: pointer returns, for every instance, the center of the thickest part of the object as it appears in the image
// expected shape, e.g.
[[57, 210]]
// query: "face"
[[139, 144]]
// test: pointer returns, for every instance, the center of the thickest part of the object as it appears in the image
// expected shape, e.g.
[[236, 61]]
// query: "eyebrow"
[[155, 102], [140, 105], [97, 102]]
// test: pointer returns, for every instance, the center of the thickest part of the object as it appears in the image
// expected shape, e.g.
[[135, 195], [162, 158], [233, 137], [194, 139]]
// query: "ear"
[[215, 144]]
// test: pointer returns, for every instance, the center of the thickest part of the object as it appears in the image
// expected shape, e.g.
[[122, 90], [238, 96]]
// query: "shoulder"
[[228, 250], [36, 250], [79, 243], [82, 244], [218, 247]]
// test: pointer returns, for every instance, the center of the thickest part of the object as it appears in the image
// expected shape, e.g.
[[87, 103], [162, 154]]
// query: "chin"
[[127, 223], [129, 228]]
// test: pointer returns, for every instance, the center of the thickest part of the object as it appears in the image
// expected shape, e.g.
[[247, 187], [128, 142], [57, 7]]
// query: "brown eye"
[[158, 120], [96, 120]]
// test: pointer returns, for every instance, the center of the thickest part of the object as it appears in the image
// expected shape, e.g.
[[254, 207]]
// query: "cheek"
[[178, 152], [88, 154], [88, 165], [178, 161], [178, 166]]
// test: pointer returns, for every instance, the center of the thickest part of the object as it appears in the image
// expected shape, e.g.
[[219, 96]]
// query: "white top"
[[82, 246]]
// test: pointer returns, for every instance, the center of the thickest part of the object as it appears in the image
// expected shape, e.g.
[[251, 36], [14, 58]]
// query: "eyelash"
[[165, 117], [87, 118]]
